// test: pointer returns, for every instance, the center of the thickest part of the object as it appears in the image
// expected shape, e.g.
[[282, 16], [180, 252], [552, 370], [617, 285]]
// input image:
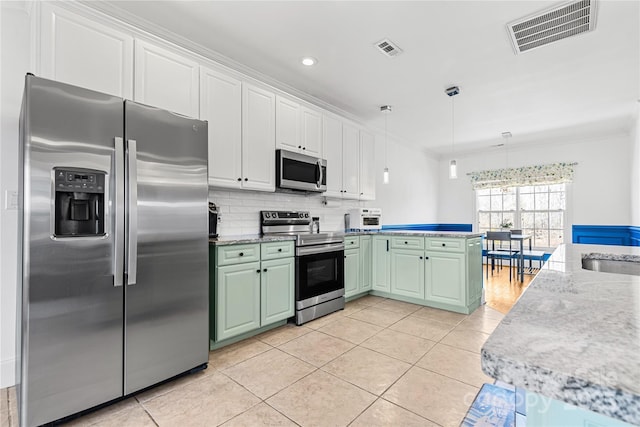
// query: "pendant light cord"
[[453, 119], [385, 138]]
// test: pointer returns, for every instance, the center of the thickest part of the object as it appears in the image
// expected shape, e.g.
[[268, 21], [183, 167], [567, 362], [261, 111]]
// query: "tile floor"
[[379, 362]]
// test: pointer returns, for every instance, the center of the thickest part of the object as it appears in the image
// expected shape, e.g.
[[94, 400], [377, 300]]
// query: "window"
[[536, 209]]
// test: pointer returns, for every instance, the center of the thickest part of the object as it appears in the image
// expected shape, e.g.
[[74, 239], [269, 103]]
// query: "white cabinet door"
[[258, 138], [82, 52], [221, 106], [332, 147], [288, 124], [367, 166], [165, 79], [311, 130], [350, 161]]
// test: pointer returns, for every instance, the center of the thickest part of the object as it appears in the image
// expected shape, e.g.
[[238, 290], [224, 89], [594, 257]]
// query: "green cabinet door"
[[237, 299], [474, 271], [445, 278], [365, 263], [277, 287], [407, 273], [351, 272], [381, 264]]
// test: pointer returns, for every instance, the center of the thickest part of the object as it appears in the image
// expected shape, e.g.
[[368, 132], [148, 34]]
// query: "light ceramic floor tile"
[[398, 306], [269, 372], [443, 316], [461, 365], [484, 324], [486, 311], [107, 413], [378, 317], [235, 353], [316, 348], [424, 328], [367, 369], [13, 406], [396, 344], [281, 335], [370, 300], [173, 385], [351, 330], [135, 416], [466, 339], [325, 320], [260, 415], [352, 307], [320, 399], [438, 398], [4, 407], [384, 414], [208, 402]]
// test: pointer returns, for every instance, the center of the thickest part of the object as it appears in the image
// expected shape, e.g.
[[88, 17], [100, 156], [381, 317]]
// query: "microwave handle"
[[319, 174]]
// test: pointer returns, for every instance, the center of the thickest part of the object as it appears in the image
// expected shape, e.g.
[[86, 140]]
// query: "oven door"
[[319, 276]]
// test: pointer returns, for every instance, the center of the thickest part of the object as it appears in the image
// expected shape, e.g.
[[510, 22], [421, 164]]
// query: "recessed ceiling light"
[[309, 61]]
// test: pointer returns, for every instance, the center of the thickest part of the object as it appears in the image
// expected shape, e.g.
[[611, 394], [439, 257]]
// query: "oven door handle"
[[319, 249]]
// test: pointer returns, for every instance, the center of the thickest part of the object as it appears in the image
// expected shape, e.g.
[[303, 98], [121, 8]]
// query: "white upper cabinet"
[[332, 147], [221, 106], [367, 166], [166, 79], [350, 161], [288, 124], [298, 128], [311, 124], [85, 53], [258, 138]]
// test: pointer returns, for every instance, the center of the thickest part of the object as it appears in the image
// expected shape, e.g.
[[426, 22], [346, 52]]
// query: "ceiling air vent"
[[549, 26], [388, 48]]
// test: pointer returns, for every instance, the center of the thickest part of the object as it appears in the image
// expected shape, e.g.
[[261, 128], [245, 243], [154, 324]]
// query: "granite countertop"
[[248, 238], [574, 334], [419, 233]]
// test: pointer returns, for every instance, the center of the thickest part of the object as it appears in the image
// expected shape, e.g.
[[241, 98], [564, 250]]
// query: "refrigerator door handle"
[[118, 233], [132, 209]]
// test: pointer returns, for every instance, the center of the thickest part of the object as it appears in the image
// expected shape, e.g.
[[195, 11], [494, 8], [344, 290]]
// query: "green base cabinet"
[[381, 264], [351, 272], [276, 290], [238, 299], [366, 248], [445, 278], [407, 273]]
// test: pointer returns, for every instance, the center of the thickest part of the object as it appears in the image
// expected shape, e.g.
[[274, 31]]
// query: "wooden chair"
[[499, 248]]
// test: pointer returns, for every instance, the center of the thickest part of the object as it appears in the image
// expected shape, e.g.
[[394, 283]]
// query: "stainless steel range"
[[319, 263]]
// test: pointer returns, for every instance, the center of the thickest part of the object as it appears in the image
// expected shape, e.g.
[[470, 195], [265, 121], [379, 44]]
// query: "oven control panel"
[[284, 215]]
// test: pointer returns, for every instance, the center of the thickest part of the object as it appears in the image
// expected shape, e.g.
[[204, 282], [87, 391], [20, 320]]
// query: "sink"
[[611, 266]]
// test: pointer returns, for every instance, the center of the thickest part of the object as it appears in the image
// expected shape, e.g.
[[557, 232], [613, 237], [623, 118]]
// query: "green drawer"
[[406, 242], [235, 254], [445, 244], [275, 250], [352, 242]]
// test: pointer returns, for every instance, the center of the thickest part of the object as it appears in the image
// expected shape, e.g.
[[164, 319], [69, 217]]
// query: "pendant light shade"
[[385, 175], [453, 165]]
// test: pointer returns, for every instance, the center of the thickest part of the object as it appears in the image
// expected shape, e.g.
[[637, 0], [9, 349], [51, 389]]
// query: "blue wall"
[[429, 227], [620, 235]]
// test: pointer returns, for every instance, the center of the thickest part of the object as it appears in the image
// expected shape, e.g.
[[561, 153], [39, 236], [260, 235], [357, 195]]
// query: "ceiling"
[[575, 87]]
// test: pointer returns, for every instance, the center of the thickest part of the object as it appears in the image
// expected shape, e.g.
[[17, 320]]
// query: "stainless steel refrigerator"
[[114, 273]]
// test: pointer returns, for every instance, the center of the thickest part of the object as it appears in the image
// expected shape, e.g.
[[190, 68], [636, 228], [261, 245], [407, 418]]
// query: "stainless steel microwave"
[[295, 171]]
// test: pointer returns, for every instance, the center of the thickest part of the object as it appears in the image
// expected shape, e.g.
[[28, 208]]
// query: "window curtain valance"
[[554, 173]]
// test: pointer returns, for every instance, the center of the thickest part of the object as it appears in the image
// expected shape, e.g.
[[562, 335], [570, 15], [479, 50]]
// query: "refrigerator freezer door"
[[71, 332], [167, 306]]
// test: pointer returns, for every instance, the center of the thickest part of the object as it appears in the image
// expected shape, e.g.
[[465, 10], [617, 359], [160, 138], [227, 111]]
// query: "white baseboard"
[[8, 372]]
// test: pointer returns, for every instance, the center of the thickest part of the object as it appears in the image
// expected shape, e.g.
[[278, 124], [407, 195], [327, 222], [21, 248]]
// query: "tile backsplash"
[[239, 210]]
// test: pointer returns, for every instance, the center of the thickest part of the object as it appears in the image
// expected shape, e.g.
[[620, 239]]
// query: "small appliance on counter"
[[363, 219], [315, 224], [213, 220]]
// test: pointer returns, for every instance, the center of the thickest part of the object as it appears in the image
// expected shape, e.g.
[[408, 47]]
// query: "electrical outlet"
[[10, 200]]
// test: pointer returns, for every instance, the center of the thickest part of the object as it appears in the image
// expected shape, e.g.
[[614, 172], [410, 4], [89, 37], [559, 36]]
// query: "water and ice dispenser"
[[79, 202]]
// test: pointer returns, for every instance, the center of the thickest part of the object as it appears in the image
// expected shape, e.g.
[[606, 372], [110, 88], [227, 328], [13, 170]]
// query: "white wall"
[[599, 193], [15, 59], [635, 173]]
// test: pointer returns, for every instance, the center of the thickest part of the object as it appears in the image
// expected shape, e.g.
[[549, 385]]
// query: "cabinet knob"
[[304, 148], [264, 270], [420, 257], [239, 179], [406, 243], [246, 179], [258, 271], [426, 257], [444, 244], [241, 254], [361, 194], [299, 146], [280, 250]]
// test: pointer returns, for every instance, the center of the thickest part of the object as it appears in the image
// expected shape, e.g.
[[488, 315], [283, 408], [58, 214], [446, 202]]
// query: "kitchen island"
[[573, 338]]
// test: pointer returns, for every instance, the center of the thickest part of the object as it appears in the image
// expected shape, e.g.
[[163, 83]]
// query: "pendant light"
[[453, 165], [385, 175]]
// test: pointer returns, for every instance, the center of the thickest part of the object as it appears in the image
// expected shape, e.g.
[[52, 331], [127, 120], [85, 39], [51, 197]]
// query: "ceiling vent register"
[[552, 25], [388, 48]]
